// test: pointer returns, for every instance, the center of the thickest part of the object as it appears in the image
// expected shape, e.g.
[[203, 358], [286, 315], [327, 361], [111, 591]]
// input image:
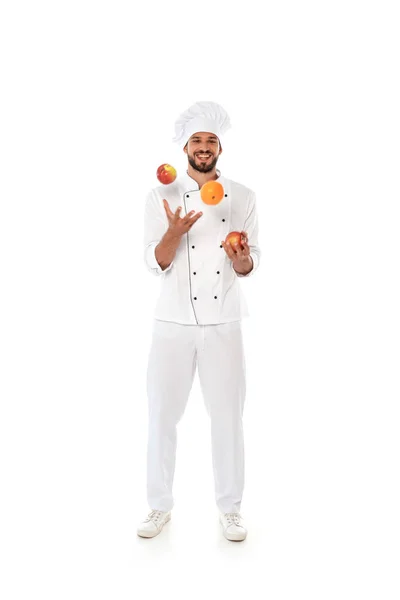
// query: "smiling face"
[[203, 150]]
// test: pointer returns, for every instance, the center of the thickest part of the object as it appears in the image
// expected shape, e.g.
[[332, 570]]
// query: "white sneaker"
[[233, 526], [154, 523]]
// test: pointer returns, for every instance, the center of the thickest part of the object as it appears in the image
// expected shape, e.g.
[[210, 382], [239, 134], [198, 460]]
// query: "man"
[[198, 317]]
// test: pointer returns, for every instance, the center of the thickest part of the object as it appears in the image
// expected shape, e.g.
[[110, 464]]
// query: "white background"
[[90, 93]]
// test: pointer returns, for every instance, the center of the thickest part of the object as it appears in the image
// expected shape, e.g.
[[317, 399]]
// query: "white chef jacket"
[[200, 286]]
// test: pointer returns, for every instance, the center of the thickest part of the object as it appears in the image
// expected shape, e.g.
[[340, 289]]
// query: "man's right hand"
[[177, 225]]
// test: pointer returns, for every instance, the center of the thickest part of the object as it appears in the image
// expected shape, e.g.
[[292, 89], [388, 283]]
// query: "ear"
[[185, 148]]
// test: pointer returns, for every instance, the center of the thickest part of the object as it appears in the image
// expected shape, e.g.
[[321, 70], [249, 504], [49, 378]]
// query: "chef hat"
[[201, 116]]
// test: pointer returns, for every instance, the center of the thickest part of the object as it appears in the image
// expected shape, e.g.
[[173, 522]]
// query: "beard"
[[201, 165]]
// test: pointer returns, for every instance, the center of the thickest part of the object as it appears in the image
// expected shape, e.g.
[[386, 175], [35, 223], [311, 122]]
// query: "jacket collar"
[[189, 184]]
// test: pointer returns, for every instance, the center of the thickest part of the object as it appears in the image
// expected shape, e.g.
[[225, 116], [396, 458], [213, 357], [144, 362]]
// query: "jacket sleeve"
[[251, 227], [155, 225]]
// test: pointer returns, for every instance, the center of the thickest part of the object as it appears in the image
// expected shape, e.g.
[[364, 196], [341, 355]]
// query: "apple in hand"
[[166, 173], [234, 237]]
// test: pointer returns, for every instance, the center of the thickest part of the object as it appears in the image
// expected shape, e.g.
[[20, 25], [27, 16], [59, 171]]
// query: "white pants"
[[217, 351]]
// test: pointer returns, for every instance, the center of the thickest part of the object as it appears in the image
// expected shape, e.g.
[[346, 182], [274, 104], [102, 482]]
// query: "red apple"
[[234, 237], [166, 173]]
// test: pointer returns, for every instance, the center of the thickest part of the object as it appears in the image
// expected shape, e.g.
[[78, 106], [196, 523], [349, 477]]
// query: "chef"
[[197, 320]]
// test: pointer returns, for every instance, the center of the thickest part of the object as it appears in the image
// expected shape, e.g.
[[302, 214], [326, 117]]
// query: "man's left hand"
[[241, 259]]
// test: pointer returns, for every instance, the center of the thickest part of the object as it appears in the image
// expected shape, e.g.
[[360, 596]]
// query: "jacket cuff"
[[255, 264], [151, 261]]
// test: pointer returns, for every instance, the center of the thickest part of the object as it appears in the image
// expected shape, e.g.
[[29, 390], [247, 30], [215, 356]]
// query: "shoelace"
[[233, 518], [154, 516]]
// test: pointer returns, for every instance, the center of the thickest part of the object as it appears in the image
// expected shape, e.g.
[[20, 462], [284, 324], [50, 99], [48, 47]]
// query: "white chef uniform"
[[198, 324], [200, 286]]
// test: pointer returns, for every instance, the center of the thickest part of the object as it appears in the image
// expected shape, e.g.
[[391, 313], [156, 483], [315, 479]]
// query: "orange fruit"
[[212, 192]]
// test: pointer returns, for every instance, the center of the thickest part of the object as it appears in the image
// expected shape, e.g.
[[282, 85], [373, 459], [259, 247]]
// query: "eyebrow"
[[197, 137]]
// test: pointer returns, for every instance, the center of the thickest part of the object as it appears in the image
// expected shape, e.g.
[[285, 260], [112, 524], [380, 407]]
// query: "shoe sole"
[[235, 537], [151, 534]]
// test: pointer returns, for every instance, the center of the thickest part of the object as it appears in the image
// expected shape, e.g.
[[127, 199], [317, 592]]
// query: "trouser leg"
[[170, 374], [221, 364]]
